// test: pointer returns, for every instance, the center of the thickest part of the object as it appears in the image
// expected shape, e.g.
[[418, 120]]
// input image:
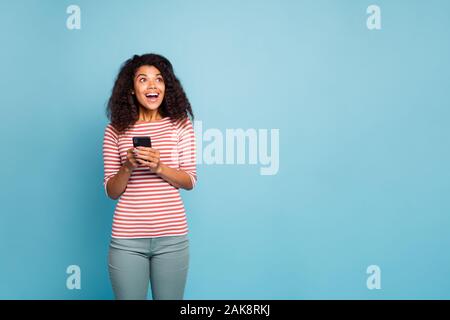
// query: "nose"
[[151, 84]]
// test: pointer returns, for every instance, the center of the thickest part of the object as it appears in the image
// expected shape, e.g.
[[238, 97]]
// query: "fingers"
[[145, 156], [131, 158], [151, 155], [149, 150], [130, 154], [150, 162], [133, 162], [153, 166]]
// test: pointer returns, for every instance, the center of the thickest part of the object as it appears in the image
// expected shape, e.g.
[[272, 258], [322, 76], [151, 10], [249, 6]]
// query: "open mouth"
[[153, 96]]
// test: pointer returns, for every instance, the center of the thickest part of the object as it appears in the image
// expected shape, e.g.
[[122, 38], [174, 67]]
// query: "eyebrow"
[[141, 74]]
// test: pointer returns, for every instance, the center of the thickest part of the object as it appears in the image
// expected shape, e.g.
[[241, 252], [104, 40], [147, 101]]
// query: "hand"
[[149, 157], [131, 162]]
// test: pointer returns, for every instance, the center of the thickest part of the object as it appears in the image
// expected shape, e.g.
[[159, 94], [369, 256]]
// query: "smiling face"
[[149, 87]]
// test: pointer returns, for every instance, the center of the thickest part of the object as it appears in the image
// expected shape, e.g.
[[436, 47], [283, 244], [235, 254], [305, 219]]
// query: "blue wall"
[[364, 154]]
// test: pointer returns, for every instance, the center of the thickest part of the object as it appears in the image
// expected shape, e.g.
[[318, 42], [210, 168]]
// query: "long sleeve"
[[111, 155], [187, 150]]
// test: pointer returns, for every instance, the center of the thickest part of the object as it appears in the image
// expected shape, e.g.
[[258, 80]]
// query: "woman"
[[149, 240]]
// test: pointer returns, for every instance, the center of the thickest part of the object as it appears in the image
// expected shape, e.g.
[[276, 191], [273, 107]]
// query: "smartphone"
[[142, 142]]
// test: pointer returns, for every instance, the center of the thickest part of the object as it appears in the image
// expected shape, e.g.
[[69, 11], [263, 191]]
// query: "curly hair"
[[123, 108]]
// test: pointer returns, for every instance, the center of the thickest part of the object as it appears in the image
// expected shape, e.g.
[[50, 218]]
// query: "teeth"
[[152, 95]]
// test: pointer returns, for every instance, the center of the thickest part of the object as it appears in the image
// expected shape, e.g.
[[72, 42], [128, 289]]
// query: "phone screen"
[[142, 142]]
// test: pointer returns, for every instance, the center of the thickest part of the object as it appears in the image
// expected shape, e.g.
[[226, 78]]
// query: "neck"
[[149, 115]]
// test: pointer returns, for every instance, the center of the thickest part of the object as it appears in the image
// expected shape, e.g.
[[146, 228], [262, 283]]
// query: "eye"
[[159, 79], [140, 80]]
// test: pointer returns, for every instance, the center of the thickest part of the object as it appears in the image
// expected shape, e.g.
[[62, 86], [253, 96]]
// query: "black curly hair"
[[123, 108]]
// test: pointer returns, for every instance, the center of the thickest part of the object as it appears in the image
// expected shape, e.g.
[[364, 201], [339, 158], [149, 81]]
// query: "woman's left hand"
[[149, 157]]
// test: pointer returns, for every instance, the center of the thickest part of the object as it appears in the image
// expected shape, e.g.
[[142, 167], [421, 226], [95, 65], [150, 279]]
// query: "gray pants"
[[163, 261]]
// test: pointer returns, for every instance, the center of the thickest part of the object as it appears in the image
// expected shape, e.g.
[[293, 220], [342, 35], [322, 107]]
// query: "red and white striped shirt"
[[150, 206]]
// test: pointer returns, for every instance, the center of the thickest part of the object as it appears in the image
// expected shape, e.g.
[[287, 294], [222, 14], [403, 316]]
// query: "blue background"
[[364, 144]]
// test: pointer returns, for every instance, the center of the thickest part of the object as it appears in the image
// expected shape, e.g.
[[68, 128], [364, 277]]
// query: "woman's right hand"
[[131, 162]]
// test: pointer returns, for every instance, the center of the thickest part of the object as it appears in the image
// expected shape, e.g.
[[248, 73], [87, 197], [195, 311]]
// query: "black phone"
[[142, 142]]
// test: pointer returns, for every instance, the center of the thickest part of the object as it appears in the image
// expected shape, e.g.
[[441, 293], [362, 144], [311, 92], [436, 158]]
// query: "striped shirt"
[[150, 206]]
